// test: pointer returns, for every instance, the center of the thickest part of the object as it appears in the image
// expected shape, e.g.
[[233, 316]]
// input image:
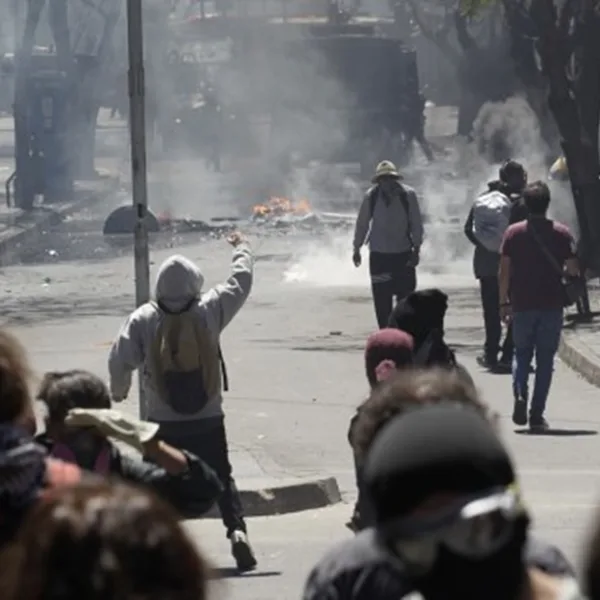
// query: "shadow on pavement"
[[227, 572], [558, 432]]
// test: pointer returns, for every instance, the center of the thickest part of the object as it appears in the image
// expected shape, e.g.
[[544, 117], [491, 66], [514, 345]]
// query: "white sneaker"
[[242, 551]]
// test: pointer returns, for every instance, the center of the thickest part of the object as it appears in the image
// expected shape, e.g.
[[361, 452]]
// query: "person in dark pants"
[[175, 341], [390, 218], [209, 443], [511, 183]]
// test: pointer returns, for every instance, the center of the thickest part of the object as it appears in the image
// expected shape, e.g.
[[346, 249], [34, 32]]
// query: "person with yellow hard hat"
[[390, 221]]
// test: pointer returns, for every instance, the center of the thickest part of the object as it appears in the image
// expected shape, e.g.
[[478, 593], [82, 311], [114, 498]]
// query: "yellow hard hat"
[[386, 168]]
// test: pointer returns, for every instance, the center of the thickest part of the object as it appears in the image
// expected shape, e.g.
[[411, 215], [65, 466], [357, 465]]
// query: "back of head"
[[387, 345], [102, 541], [513, 175], [537, 198], [405, 391], [15, 375], [448, 448], [420, 313], [62, 391], [178, 283]]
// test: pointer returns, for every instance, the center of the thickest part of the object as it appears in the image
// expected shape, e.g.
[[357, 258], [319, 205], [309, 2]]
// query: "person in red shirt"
[[532, 298]]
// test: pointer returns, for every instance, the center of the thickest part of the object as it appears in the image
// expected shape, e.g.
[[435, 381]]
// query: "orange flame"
[[277, 207]]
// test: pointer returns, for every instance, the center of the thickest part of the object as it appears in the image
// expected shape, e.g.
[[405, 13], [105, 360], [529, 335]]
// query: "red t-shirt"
[[534, 283]]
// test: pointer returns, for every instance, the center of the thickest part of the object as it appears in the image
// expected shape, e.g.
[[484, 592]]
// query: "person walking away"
[[175, 340], [535, 253], [492, 212], [391, 218]]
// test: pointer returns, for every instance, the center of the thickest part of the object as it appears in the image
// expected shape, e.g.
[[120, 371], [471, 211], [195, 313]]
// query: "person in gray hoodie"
[[390, 218], [191, 415]]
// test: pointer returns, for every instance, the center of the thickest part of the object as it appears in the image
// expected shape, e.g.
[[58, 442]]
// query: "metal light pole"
[[137, 130]]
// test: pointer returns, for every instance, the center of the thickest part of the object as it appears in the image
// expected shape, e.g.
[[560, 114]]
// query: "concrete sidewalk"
[[580, 344]]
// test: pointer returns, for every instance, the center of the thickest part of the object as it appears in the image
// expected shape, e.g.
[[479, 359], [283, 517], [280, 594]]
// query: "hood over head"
[[420, 313], [179, 281]]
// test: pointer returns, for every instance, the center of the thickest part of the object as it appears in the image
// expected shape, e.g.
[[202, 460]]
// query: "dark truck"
[[347, 95]]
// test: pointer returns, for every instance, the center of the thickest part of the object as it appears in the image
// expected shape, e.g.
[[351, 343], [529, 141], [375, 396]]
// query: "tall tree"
[[475, 44], [558, 43]]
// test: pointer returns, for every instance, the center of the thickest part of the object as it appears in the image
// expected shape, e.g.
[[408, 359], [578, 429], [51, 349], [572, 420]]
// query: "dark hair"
[[405, 391], [387, 344], [15, 377], [513, 172], [103, 541], [62, 391], [537, 198]]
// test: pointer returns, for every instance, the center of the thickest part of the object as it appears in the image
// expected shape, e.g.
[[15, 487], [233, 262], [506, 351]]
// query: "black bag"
[[573, 287]]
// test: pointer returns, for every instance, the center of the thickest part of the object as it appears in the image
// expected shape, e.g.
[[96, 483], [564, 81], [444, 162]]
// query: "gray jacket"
[[390, 226], [179, 281]]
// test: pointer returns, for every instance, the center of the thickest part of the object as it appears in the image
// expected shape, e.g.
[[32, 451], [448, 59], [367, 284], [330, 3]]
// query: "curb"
[[580, 358], [285, 499], [53, 216]]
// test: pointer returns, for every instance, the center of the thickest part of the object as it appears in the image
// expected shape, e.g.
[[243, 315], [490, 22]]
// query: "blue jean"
[[535, 332]]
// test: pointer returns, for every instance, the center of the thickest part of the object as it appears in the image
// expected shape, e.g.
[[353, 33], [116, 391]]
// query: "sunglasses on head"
[[472, 528]]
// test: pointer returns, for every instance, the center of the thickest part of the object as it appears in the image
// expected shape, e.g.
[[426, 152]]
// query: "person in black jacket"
[[80, 425], [362, 568], [512, 181], [422, 314]]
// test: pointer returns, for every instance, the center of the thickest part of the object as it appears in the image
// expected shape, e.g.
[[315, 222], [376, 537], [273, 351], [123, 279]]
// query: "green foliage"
[[471, 8]]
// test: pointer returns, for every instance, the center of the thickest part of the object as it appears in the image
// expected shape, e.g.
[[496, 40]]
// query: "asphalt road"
[[295, 360]]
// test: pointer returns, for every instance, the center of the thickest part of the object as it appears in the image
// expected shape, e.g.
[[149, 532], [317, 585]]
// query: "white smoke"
[[446, 190]]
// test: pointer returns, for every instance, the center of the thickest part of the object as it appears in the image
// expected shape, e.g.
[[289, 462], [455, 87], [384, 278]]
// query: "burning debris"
[[278, 213], [279, 207]]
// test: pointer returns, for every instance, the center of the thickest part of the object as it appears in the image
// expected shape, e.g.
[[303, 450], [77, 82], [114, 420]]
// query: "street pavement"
[[294, 356]]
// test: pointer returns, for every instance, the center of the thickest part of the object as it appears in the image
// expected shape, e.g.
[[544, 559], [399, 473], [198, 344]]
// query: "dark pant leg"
[[363, 508], [491, 316], [210, 444], [382, 286], [404, 277], [508, 348]]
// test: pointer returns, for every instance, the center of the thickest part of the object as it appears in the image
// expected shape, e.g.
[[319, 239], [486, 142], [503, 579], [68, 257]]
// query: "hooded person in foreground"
[[368, 566], [175, 341], [448, 507], [422, 314]]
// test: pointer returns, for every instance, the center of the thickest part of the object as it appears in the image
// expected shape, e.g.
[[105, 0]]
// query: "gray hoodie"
[[389, 224], [179, 281]]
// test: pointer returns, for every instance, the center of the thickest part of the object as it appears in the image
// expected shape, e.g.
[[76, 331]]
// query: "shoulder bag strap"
[[549, 256]]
